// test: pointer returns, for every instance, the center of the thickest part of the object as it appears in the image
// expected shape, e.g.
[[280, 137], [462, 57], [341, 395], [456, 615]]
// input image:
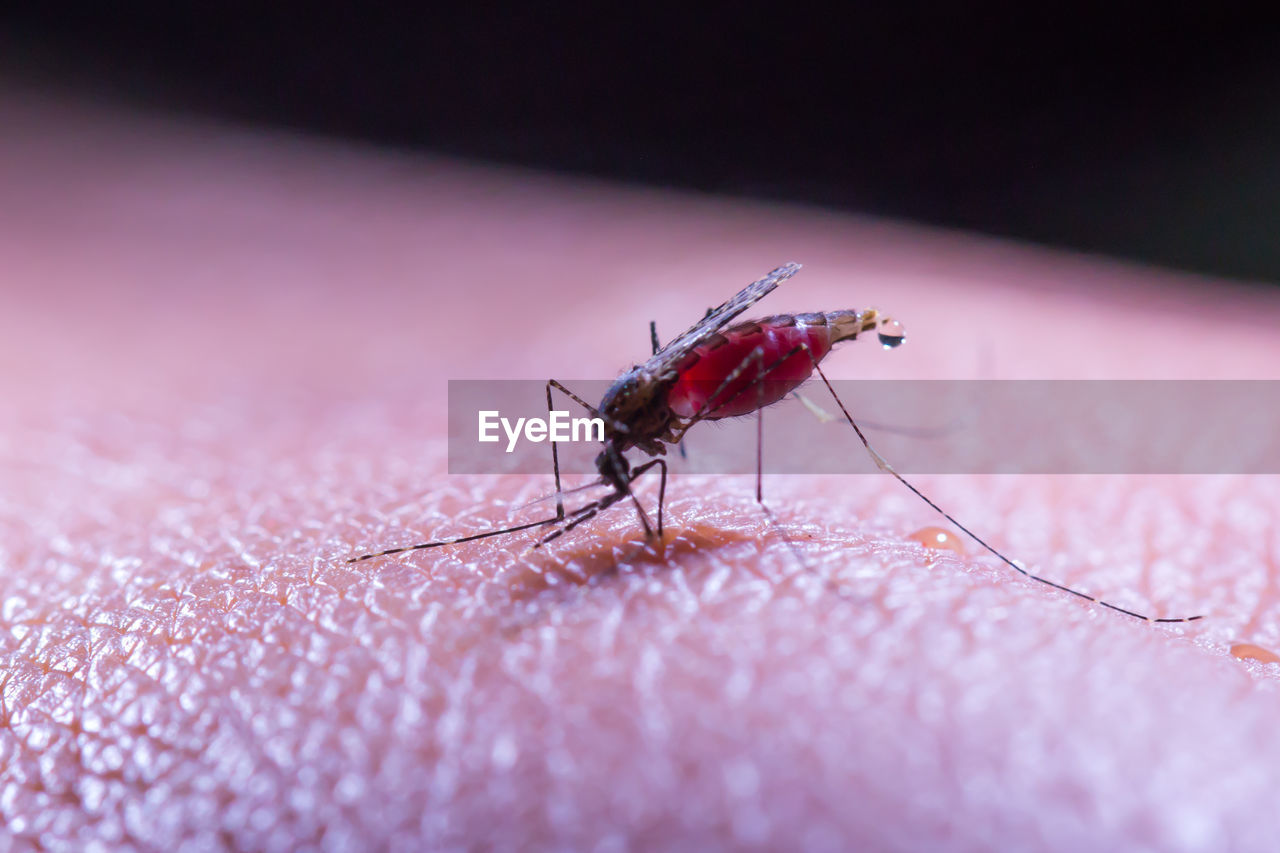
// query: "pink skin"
[[225, 357]]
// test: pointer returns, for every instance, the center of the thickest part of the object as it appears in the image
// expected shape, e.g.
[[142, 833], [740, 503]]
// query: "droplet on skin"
[[937, 538], [1248, 651], [892, 334]]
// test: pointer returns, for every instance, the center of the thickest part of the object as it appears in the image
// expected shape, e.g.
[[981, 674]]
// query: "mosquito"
[[711, 372]]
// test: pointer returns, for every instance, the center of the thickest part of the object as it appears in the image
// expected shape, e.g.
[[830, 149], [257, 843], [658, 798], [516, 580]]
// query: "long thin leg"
[[555, 453], [578, 516], [559, 495], [572, 396], [817, 411], [458, 540], [760, 456], [644, 517], [883, 465], [589, 511], [555, 461], [556, 534], [616, 426], [662, 485], [764, 507]]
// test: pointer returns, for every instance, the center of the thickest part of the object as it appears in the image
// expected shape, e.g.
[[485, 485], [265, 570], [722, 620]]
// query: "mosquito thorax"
[[634, 408]]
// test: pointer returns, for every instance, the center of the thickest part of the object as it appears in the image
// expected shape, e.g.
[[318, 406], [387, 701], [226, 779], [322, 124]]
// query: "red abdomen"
[[758, 353]]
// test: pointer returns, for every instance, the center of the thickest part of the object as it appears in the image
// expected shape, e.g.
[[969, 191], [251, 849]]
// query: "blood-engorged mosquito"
[[711, 372]]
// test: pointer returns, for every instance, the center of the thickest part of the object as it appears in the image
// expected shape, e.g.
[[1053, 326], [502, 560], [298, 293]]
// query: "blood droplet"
[[891, 334], [937, 538], [1248, 651]]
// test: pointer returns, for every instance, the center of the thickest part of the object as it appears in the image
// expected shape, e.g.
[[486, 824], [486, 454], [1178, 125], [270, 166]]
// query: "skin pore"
[[224, 357]]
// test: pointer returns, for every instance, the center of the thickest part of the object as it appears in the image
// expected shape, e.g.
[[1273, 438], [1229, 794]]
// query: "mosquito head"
[[614, 468]]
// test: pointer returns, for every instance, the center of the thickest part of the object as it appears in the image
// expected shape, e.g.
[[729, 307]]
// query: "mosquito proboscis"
[[713, 371]]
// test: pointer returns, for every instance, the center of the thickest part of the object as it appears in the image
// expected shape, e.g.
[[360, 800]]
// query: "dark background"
[[1150, 134]]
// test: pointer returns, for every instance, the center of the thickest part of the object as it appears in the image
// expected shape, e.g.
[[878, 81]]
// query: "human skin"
[[223, 356]]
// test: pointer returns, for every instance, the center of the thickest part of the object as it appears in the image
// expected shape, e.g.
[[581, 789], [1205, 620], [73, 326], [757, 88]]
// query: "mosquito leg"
[[823, 416], [457, 540], [662, 494], [556, 534], [555, 453], [662, 485], [760, 456], [626, 490], [575, 398], [578, 516], [589, 511], [617, 426], [883, 465], [555, 462], [560, 511], [817, 411], [768, 513], [764, 507]]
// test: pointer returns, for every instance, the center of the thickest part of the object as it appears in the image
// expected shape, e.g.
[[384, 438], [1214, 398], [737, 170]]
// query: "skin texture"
[[224, 356]]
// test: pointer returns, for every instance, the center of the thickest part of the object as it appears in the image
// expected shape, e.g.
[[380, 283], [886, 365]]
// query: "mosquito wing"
[[673, 353]]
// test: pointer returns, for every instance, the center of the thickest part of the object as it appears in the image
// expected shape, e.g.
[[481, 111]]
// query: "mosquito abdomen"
[[755, 364]]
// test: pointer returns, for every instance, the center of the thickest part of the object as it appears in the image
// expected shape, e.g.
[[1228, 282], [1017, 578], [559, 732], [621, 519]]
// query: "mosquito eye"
[[891, 333]]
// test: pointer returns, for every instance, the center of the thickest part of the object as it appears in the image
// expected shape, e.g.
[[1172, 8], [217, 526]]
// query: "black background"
[[1151, 134]]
